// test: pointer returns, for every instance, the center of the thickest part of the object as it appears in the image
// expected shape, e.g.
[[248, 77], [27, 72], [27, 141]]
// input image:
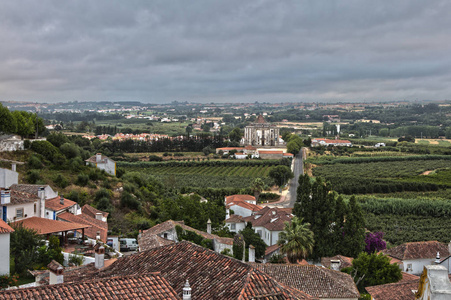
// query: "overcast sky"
[[225, 51]]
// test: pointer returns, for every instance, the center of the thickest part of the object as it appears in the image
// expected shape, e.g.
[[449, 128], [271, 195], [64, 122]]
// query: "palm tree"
[[296, 240], [257, 187]]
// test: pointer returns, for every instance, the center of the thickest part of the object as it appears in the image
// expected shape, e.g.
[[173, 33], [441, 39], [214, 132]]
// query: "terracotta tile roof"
[[409, 277], [243, 204], [394, 291], [230, 148], [152, 241], [148, 236], [148, 286], [249, 147], [5, 228], [288, 154], [91, 211], [55, 204], [235, 219], [235, 198], [96, 225], [315, 281], [260, 120], [225, 240], [418, 250], [269, 250], [20, 197], [28, 188], [270, 152], [271, 218], [211, 275], [344, 261], [45, 226]]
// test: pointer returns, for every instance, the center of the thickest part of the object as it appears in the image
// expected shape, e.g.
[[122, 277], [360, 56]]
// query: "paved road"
[[290, 198]]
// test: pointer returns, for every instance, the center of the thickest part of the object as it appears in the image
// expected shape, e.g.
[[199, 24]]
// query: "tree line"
[[21, 123]]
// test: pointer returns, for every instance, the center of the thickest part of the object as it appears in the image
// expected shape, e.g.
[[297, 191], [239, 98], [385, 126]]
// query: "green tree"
[[296, 240], [24, 245], [188, 130], [281, 175], [252, 238], [257, 187], [373, 269], [70, 150], [353, 230], [7, 121], [25, 124], [317, 207], [51, 252], [235, 135], [294, 144]]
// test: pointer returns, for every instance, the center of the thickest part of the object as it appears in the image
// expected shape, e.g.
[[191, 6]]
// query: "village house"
[[8, 177], [266, 222], [102, 162], [5, 231], [416, 255], [11, 143], [166, 233]]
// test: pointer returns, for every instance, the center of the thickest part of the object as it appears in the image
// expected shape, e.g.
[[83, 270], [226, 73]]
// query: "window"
[[19, 213], [259, 232], [409, 267], [35, 208], [232, 226], [165, 235]]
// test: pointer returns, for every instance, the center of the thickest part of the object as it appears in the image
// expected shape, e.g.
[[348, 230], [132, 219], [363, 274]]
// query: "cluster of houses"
[[329, 142], [40, 208]]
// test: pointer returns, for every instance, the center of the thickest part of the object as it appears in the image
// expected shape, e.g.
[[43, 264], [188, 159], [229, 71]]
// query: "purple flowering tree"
[[374, 242]]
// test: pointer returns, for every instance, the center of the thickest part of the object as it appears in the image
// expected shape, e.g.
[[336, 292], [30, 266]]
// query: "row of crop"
[[245, 163], [403, 207], [201, 181], [240, 171], [357, 185], [401, 229], [394, 169], [359, 160]]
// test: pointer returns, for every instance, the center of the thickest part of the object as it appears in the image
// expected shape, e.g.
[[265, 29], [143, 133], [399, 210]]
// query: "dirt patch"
[[427, 172]]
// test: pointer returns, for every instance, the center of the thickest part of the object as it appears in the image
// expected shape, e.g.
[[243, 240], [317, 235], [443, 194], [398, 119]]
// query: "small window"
[[35, 207], [409, 267], [165, 235], [259, 233], [19, 213], [232, 226]]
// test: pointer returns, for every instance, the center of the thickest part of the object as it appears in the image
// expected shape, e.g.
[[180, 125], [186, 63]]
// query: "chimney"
[[13, 167], [251, 253], [55, 272], [99, 256], [437, 259], [209, 226], [228, 214], [62, 200], [41, 203], [98, 236], [186, 291], [99, 216], [335, 264], [5, 196], [449, 247], [98, 157]]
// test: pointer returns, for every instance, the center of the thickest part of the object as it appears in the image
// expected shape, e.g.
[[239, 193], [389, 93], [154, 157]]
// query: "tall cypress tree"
[[354, 230]]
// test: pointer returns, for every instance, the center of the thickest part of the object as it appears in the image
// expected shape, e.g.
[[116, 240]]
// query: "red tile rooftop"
[[45, 226]]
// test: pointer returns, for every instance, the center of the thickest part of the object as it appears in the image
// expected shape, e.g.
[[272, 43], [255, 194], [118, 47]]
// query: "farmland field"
[[209, 174], [406, 197]]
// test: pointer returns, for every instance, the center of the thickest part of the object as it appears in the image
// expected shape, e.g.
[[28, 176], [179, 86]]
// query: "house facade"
[[5, 231], [267, 222], [416, 255], [103, 162]]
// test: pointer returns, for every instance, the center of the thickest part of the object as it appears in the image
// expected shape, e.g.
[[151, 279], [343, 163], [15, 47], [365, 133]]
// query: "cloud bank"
[[227, 51]]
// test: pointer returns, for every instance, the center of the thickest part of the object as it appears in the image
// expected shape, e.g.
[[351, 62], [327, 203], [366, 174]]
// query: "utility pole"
[[36, 133]]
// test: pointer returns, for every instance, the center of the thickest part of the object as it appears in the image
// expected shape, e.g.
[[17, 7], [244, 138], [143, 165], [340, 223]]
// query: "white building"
[[8, 177], [5, 231], [416, 255], [267, 222], [103, 162]]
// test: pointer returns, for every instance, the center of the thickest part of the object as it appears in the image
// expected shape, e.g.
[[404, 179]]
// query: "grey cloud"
[[159, 51]]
